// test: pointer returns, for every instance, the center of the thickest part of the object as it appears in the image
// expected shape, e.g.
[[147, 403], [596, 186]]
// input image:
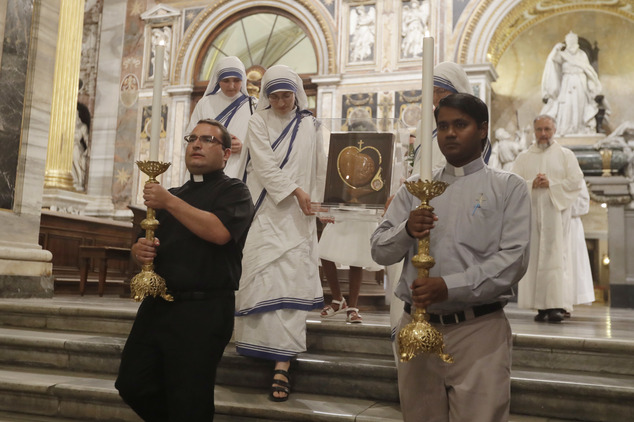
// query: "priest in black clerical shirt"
[[168, 365]]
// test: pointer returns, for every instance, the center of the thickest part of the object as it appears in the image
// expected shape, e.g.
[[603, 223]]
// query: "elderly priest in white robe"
[[554, 177]]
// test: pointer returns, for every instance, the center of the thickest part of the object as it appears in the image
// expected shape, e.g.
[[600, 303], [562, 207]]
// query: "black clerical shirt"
[[189, 263]]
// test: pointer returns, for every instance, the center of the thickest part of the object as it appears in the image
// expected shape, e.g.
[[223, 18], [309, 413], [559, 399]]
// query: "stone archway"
[[493, 25], [318, 22]]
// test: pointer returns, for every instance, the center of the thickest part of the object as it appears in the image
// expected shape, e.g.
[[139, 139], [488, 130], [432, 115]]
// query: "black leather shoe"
[[555, 315], [541, 315]]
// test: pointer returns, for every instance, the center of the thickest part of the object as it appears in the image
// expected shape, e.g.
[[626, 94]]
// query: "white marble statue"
[[622, 137], [162, 34], [569, 87], [505, 150], [414, 25], [362, 24], [80, 153]]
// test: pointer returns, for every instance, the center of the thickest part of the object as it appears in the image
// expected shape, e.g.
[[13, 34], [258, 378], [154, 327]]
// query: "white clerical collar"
[[198, 178], [465, 170]]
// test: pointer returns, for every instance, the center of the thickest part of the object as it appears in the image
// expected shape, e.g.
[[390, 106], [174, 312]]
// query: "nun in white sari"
[[230, 104], [280, 271], [449, 78]]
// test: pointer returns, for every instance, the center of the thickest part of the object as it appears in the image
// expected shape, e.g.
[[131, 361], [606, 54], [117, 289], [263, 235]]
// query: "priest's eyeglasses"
[[205, 139]]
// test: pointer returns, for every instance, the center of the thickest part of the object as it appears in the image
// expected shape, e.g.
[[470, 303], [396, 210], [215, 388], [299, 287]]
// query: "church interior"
[[79, 81]]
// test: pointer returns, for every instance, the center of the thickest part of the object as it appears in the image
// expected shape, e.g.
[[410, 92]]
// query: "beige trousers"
[[475, 388]]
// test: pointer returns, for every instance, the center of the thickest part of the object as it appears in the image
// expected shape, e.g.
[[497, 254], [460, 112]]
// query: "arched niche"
[[260, 37], [516, 37], [314, 17], [493, 25]]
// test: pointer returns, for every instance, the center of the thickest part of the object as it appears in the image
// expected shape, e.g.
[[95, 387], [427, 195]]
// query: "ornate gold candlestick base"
[[147, 282], [419, 336]]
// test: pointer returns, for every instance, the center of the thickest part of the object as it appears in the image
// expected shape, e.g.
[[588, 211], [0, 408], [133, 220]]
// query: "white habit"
[[280, 270], [233, 112], [548, 282], [581, 271]]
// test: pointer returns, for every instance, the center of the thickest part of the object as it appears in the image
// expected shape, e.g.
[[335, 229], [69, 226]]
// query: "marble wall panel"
[[127, 129], [24, 267], [458, 8], [359, 106], [13, 72], [100, 177], [407, 107], [190, 15], [330, 6]]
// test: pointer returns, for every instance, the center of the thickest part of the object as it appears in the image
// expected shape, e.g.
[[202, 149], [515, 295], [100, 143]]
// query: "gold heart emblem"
[[357, 169]]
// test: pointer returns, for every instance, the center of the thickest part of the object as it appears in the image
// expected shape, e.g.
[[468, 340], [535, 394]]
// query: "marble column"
[[26, 269], [59, 159], [104, 126], [326, 95], [615, 192]]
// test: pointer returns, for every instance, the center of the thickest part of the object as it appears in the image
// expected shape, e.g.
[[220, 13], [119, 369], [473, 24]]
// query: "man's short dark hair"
[[225, 135], [468, 104]]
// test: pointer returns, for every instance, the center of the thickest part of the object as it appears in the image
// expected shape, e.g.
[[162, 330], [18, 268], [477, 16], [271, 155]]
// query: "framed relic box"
[[359, 168]]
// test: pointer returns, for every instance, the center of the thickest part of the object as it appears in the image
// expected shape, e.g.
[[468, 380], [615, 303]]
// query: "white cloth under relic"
[[548, 283], [348, 243], [280, 279]]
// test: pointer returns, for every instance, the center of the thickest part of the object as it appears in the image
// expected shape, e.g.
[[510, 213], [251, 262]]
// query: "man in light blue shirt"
[[479, 236]]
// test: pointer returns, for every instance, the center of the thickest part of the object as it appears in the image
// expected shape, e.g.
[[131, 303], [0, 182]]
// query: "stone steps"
[[565, 394], [59, 360], [41, 393], [56, 394], [105, 317]]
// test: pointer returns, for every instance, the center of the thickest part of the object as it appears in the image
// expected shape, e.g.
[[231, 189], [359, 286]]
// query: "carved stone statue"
[[362, 21], [621, 138], [569, 87], [80, 147], [505, 150], [603, 123], [415, 20], [165, 35]]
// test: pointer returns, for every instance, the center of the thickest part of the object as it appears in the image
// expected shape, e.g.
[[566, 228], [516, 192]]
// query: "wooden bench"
[[101, 254]]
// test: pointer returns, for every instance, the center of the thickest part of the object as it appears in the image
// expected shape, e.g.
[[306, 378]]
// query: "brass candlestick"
[[147, 282], [419, 336]]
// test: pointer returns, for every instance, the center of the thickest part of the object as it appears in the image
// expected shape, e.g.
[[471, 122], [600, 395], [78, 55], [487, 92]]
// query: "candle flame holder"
[[419, 336], [147, 282]]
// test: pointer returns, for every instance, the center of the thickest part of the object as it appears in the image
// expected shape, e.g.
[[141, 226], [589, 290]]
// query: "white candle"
[[427, 108], [155, 129]]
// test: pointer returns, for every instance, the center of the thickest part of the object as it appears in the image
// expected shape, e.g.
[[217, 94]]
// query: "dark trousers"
[[168, 365]]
